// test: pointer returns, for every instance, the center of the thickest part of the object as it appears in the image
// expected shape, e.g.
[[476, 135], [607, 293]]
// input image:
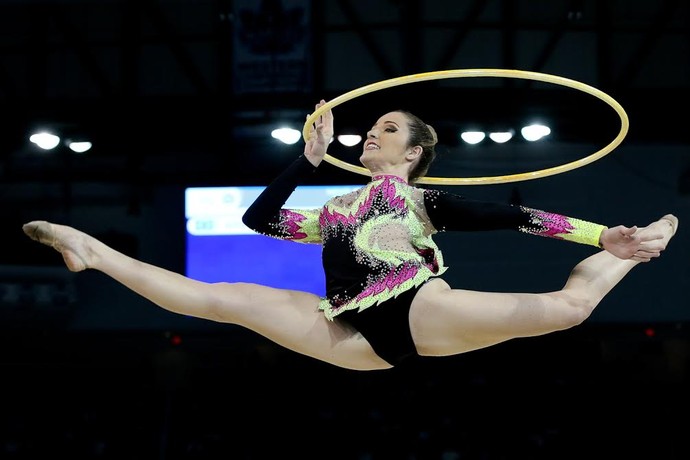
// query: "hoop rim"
[[470, 73]]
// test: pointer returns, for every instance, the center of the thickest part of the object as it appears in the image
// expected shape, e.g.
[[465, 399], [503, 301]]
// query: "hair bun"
[[434, 136]]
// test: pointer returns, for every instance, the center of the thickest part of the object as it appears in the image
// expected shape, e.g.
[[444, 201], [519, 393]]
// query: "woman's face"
[[387, 143]]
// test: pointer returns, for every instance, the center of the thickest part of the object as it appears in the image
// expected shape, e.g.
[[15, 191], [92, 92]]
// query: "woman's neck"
[[396, 177], [400, 173]]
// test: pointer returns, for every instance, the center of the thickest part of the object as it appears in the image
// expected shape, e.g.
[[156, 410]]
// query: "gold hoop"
[[464, 73]]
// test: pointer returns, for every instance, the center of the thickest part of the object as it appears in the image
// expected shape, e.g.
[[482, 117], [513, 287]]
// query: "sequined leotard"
[[377, 240]]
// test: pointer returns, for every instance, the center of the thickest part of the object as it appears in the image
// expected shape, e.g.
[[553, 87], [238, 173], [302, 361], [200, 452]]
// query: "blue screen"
[[219, 247]]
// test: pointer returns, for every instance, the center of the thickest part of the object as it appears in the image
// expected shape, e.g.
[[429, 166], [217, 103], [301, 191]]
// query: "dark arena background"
[[180, 94]]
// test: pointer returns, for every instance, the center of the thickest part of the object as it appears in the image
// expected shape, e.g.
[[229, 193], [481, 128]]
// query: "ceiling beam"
[[80, 46], [184, 58], [640, 56], [380, 58], [461, 32]]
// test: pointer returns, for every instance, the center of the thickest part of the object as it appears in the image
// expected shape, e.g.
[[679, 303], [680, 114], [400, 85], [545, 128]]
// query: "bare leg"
[[289, 318], [448, 321]]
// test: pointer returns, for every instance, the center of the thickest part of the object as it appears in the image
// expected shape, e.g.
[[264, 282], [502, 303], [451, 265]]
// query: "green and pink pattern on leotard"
[[301, 226], [382, 210]]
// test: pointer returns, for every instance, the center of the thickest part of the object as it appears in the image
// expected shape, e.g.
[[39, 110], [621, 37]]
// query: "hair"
[[425, 136]]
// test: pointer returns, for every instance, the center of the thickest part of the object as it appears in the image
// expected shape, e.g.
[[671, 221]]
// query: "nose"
[[373, 134]]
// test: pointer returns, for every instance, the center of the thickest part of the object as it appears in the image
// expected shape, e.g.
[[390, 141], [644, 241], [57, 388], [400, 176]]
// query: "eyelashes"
[[390, 129]]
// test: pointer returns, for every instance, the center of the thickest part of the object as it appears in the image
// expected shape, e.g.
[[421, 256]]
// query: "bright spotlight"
[[79, 147], [501, 137], [535, 132], [349, 140], [287, 135], [472, 137], [45, 140]]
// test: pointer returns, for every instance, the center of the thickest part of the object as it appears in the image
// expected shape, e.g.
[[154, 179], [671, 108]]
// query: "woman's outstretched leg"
[[166, 289], [289, 318], [447, 321]]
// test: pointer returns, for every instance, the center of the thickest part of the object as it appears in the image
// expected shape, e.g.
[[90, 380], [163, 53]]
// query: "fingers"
[[321, 119], [320, 104], [640, 259], [326, 118], [653, 245], [648, 254], [328, 114], [311, 128], [323, 126], [643, 256], [648, 251], [627, 231]]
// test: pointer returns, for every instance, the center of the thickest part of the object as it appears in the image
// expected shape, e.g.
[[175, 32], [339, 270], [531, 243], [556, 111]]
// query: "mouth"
[[371, 146]]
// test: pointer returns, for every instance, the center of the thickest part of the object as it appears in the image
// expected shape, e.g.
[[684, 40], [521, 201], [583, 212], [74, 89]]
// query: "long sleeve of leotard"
[[267, 216], [449, 212]]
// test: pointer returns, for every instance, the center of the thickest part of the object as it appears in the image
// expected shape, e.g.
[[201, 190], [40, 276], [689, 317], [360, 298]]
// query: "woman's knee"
[[237, 302], [228, 300], [579, 308]]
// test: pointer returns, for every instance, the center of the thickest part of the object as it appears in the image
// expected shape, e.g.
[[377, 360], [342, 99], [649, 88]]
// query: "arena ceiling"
[[184, 91]]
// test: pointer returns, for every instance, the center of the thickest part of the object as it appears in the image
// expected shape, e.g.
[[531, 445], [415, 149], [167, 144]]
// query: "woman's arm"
[[449, 212], [454, 212], [267, 216]]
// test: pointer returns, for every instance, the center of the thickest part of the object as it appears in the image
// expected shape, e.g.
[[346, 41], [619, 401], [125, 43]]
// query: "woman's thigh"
[[293, 320], [447, 321]]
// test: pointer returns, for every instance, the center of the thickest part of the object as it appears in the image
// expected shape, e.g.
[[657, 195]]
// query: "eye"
[[391, 129]]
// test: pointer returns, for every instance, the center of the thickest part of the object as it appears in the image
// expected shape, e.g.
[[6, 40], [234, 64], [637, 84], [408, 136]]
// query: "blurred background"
[[178, 94]]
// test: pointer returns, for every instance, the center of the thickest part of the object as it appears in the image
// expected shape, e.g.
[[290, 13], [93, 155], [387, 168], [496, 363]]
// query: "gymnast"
[[386, 299]]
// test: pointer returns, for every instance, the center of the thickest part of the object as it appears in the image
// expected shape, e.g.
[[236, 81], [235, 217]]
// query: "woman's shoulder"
[[345, 196]]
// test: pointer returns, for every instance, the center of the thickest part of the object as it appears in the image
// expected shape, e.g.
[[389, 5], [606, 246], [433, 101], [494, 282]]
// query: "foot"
[[673, 221], [660, 231], [71, 243]]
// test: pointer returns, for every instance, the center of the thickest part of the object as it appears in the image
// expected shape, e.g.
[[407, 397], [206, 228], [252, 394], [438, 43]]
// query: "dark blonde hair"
[[425, 136]]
